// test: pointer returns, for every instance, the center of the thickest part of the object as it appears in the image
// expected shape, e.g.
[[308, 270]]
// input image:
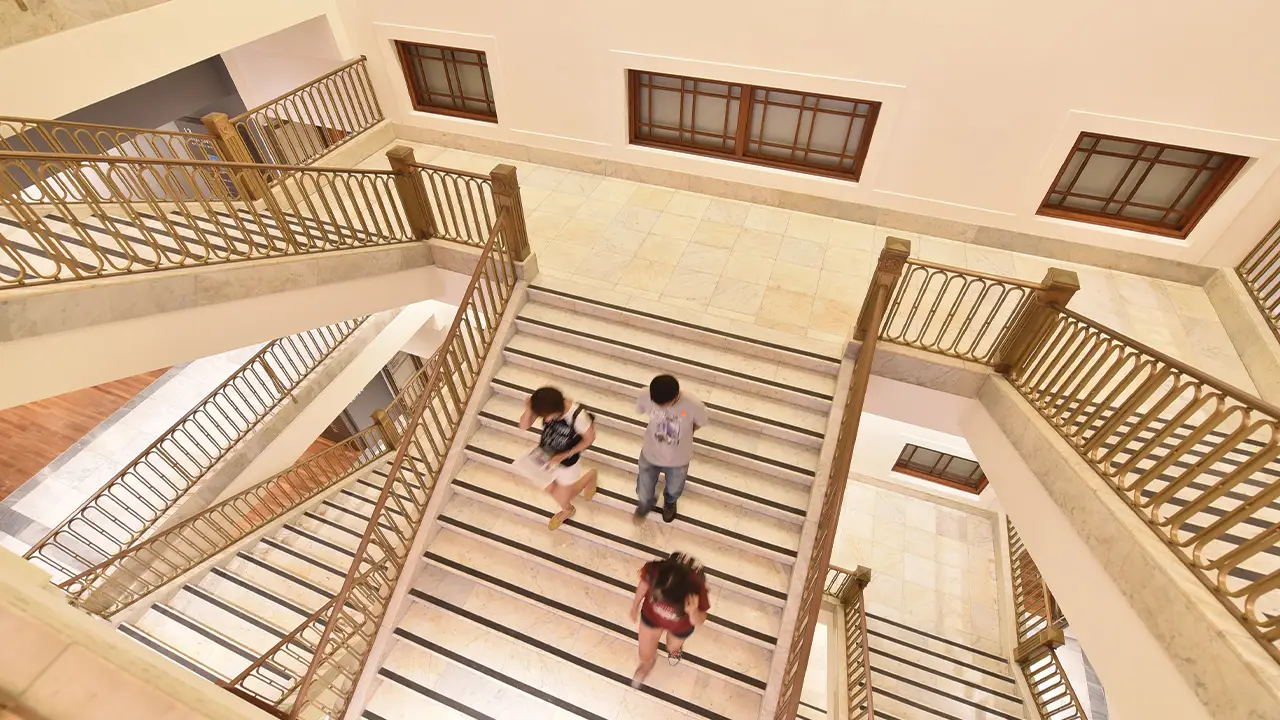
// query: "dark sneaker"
[[641, 510], [668, 512]]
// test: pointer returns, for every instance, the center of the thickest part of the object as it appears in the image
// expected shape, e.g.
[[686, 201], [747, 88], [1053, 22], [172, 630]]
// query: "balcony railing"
[[71, 138], [143, 492], [334, 643], [1260, 272], [307, 122], [847, 588]]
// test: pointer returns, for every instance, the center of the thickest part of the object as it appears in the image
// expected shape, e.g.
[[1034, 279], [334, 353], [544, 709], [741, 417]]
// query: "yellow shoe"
[[559, 518]]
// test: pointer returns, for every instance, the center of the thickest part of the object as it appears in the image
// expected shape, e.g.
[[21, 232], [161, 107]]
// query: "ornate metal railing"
[[307, 122], [892, 259], [136, 498], [1194, 457], [59, 136], [847, 588], [339, 637], [1260, 272], [113, 585], [1038, 631]]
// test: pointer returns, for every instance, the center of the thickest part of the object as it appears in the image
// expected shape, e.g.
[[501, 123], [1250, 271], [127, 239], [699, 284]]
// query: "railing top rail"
[[974, 273], [1241, 396], [221, 164], [450, 171], [300, 88], [101, 126]]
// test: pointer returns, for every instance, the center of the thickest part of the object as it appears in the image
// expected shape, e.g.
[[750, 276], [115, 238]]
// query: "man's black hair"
[[546, 401], [663, 389]]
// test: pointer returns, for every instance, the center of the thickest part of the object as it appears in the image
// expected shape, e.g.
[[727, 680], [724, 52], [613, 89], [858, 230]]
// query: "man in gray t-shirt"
[[668, 443]]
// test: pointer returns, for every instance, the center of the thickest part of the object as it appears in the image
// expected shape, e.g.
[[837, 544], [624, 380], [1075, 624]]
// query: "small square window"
[[1136, 185], [449, 81], [934, 466]]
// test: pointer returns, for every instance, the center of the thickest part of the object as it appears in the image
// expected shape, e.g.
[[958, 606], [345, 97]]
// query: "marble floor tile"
[[646, 275], [833, 317], [640, 219], [598, 210], [727, 212], [809, 227], [795, 278], [690, 285], [675, 226], [614, 190], [651, 197], [744, 297], [716, 234], [758, 243], [785, 305], [767, 219], [703, 258], [581, 184], [797, 251], [749, 268], [688, 204], [581, 232]]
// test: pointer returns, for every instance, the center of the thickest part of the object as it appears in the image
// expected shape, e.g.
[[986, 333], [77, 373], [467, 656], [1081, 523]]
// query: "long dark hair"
[[674, 579]]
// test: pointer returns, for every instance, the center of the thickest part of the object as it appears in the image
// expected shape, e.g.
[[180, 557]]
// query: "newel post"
[[388, 428], [1055, 291], [506, 195], [888, 270], [231, 148], [412, 191]]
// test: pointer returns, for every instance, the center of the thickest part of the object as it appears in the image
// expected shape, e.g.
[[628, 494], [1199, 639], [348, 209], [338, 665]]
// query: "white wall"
[[270, 66], [981, 100]]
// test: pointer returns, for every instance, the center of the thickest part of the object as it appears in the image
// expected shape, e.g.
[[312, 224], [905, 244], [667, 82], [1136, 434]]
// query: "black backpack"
[[559, 435]]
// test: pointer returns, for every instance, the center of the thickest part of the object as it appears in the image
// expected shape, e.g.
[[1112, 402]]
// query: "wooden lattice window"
[[1137, 185], [935, 466], [449, 81], [813, 133]]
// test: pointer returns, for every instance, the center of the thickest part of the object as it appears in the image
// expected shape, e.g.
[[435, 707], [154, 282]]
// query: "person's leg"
[[566, 487], [675, 478], [646, 486], [649, 638], [675, 646]]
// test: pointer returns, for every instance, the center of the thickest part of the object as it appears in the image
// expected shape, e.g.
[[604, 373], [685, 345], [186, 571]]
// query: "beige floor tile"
[[781, 305], [795, 278], [756, 242], [581, 232], [604, 266], [620, 240], [662, 249], [614, 190], [690, 285], [646, 275], [698, 304], [848, 260], [751, 268], [809, 227], [782, 326], [598, 210], [767, 219], [738, 296], [637, 218], [675, 226], [730, 314], [544, 177], [651, 197], [833, 317], [547, 225], [703, 258], [728, 212], [579, 184], [943, 252], [688, 204], [796, 251], [562, 257], [563, 203], [716, 234], [852, 234]]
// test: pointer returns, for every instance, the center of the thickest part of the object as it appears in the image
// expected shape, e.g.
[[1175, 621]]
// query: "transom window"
[[1137, 185], [449, 81], [939, 467], [766, 126]]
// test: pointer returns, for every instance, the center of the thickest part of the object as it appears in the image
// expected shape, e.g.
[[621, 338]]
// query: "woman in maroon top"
[[671, 598]]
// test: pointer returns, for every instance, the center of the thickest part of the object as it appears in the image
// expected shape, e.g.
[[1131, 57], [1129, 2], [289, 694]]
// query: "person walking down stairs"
[[668, 443], [671, 598], [567, 430]]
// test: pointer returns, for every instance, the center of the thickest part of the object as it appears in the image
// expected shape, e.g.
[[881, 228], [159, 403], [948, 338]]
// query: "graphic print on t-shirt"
[[666, 426]]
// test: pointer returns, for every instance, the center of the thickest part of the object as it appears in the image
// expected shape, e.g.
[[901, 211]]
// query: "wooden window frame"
[[1221, 179], [407, 62], [746, 100], [935, 477]]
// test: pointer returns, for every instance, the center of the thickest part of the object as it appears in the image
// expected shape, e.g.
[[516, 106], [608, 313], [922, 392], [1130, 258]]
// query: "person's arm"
[[588, 437], [642, 589], [696, 606], [526, 418], [700, 419]]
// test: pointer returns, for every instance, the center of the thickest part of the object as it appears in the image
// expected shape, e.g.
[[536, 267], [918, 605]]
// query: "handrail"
[[311, 120], [888, 270], [21, 134], [1036, 631], [1260, 273], [116, 583], [128, 505], [1194, 457], [151, 214], [427, 429], [848, 588]]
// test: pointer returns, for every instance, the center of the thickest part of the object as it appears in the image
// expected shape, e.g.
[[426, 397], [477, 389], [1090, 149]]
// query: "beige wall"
[[61, 664]]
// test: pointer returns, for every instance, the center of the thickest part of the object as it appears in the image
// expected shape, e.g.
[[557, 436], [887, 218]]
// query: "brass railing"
[[1260, 272], [340, 636], [59, 136], [847, 587], [888, 270], [136, 498], [144, 214], [307, 122], [1038, 631], [1195, 457], [113, 585]]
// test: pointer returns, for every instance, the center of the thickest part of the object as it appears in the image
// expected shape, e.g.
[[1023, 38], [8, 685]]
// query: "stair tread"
[[604, 564]]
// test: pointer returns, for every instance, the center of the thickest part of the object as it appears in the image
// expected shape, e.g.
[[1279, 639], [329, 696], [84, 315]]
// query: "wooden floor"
[[33, 435]]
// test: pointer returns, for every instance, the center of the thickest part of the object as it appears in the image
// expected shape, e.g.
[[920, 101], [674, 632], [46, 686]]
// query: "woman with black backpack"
[[671, 599], [567, 430]]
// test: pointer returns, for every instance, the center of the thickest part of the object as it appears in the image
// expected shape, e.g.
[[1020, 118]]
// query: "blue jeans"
[[647, 483]]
